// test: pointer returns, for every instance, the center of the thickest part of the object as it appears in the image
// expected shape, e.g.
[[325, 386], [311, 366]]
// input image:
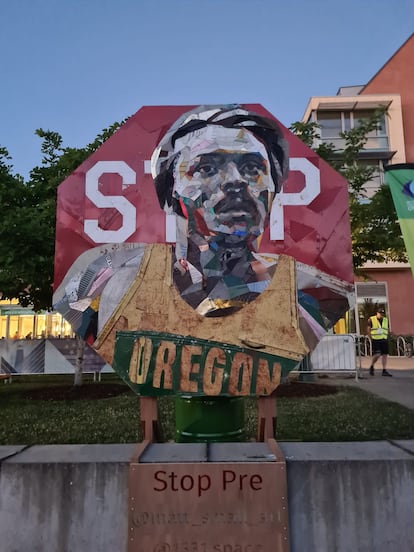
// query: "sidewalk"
[[399, 388]]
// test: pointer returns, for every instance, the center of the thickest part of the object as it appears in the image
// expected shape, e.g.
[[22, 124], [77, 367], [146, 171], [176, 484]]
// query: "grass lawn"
[[45, 410]]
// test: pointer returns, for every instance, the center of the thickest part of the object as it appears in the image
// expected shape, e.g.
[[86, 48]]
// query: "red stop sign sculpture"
[[203, 250]]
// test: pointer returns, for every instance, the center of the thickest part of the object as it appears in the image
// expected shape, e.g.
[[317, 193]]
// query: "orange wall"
[[400, 283], [397, 77]]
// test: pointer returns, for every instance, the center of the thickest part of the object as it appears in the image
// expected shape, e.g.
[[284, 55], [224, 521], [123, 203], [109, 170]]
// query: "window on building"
[[370, 296], [54, 325], [17, 322], [3, 327], [40, 326], [363, 115], [377, 138], [377, 178], [13, 330], [26, 324], [332, 123]]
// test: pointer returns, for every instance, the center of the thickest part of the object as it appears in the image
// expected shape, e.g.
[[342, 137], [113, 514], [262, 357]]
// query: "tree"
[[375, 231], [28, 221], [27, 228], [17, 225]]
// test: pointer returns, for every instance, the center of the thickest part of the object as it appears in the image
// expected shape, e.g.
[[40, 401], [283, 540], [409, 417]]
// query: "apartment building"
[[392, 87]]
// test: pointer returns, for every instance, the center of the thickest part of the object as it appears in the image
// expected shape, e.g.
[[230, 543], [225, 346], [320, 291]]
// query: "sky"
[[77, 66]]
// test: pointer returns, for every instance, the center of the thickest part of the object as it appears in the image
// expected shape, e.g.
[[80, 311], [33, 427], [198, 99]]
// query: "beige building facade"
[[389, 284]]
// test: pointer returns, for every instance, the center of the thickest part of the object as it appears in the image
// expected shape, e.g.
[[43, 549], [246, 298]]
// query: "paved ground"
[[399, 388]]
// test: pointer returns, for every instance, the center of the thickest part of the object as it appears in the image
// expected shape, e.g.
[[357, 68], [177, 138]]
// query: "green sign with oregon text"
[[154, 364]]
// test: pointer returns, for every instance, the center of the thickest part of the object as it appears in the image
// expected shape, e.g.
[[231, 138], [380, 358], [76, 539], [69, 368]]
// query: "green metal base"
[[209, 419]]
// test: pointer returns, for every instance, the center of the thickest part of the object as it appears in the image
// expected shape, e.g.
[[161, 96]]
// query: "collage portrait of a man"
[[218, 170]]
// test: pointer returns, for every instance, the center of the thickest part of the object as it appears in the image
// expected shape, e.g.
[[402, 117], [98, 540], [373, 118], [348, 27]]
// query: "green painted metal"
[[209, 419], [155, 364]]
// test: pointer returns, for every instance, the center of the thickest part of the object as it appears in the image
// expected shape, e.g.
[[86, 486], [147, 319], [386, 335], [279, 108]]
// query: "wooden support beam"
[[267, 416], [149, 419]]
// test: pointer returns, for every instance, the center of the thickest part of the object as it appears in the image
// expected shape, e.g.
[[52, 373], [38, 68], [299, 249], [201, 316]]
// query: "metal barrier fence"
[[335, 353], [343, 353]]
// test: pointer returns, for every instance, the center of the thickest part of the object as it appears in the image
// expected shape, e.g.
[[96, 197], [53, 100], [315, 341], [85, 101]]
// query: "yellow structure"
[[17, 322]]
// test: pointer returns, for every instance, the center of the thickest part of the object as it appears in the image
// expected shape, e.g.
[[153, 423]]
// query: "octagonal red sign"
[[229, 190]]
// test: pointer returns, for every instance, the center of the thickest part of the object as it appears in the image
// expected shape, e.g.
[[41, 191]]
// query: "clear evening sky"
[[77, 66]]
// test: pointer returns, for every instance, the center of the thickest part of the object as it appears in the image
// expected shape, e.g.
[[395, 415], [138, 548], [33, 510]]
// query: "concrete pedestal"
[[215, 497]]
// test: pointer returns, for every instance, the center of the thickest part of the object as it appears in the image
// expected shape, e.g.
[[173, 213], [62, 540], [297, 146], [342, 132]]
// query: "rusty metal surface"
[[209, 506]]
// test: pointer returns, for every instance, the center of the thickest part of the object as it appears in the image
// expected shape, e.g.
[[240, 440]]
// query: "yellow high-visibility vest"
[[378, 331]]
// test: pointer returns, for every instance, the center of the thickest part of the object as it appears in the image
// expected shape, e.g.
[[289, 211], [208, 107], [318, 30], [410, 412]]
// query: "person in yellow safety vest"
[[378, 332]]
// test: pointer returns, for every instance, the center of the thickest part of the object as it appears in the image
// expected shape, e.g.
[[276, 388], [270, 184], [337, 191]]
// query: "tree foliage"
[[375, 231], [27, 228]]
